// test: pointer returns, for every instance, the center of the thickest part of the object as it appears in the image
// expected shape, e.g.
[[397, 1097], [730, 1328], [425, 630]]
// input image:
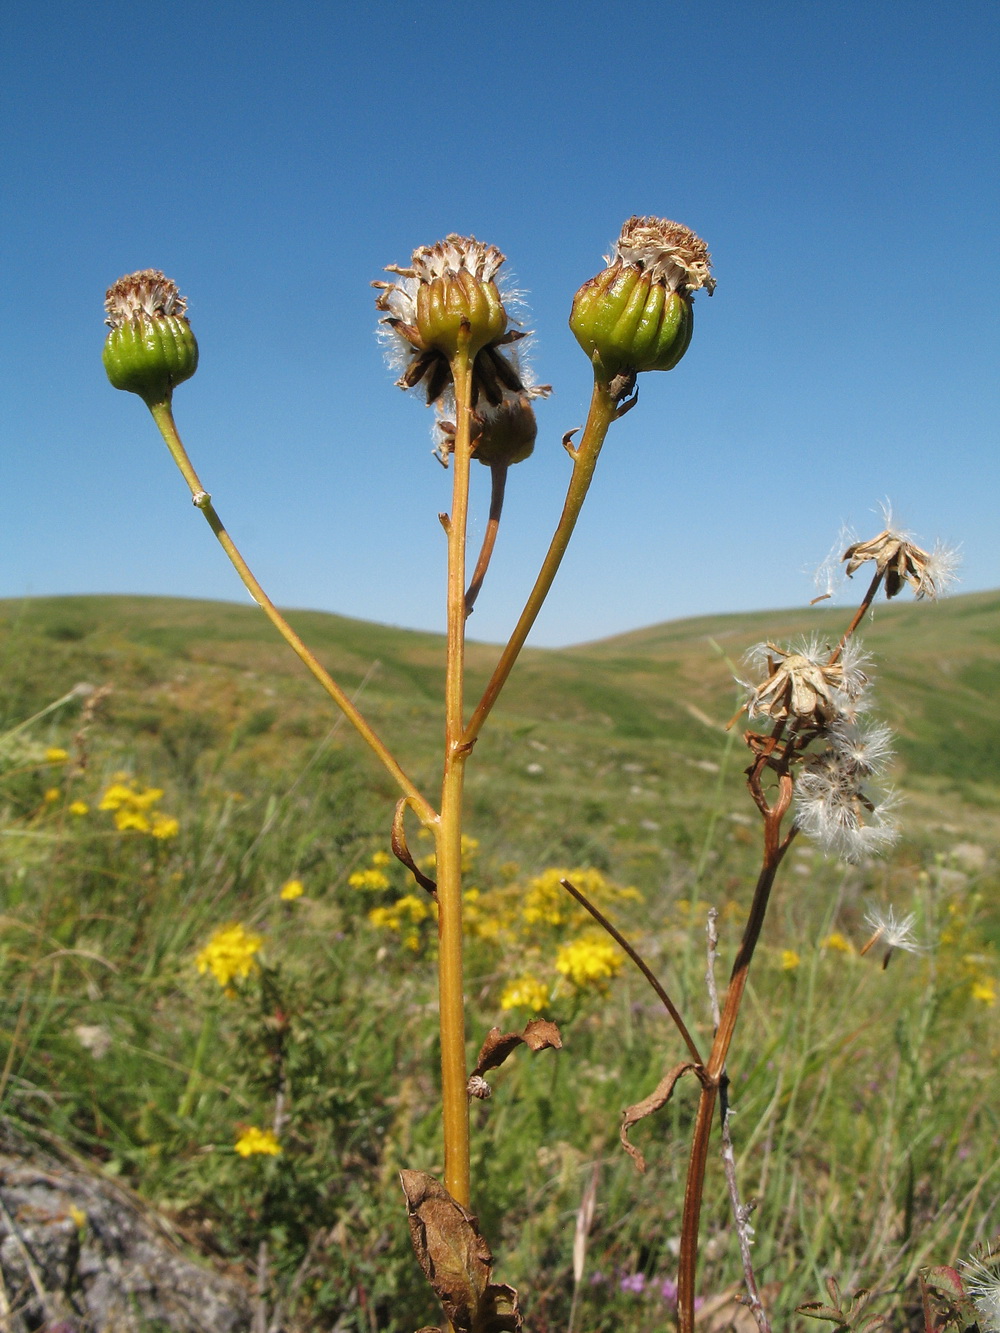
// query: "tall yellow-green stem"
[[454, 1094]]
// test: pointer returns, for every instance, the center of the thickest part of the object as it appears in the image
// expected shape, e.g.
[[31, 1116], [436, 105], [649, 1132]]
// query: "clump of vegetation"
[[261, 948]]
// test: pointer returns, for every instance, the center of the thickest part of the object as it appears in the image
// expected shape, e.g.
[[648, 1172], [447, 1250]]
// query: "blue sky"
[[839, 158]]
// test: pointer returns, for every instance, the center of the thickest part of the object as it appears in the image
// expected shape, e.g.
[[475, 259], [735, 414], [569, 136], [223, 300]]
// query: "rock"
[[80, 1253]]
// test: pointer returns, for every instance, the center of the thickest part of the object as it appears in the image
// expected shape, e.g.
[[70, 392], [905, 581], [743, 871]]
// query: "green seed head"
[[150, 348], [638, 313]]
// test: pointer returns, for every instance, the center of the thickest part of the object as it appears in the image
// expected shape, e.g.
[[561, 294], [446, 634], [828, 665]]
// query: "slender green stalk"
[[164, 418], [454, 1078], [603, 411], [186, 1103]]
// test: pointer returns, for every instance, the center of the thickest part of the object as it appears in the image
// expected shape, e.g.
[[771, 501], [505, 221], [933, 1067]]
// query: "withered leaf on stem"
[[456, 1260], [539, 1035], [649, 1105]]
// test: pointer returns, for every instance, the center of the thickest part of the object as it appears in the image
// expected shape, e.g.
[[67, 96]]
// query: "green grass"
[[867, 1116]]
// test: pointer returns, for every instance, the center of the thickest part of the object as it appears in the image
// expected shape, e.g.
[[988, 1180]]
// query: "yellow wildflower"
[[164, 826], [985, 991], [133, 808], [525, 993], [52, 795], [126, 819], [254, 1140], [381, 859], [54, 755], [229, 953], [839, 943], [79, 808], [588, 961], [407, 911], [291, 890], [789, 960], [374, 880]]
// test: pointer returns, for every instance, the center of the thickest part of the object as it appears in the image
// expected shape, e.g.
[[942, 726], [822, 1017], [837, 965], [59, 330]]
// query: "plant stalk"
[[454, 1077], [774, 851], [164, 418], [603, 411]]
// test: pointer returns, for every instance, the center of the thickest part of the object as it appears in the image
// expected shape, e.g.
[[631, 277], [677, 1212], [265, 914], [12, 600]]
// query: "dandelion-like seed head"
[[669, 252], [891, 934], [832, 808], [981, 1280], [449, 298], [866, 747]]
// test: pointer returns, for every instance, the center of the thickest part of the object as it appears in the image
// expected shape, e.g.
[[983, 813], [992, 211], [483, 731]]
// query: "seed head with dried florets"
[[150, 348], [803, 685], [638, 314], [449, 297], [901, 561]]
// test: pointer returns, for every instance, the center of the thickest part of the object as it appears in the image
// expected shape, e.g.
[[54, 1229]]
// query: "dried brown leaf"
[[500, 1313], [539, 1035], [456, 1260], [649, 1105]]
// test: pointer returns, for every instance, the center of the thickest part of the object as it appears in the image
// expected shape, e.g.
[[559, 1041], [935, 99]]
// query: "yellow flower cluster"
[[404, 916], [789, 960], [373, 879], [837, 943], [525, 993], [591, 960], [133, 808], [229, 954], [254, 1140], [291, 890], [527, 919]]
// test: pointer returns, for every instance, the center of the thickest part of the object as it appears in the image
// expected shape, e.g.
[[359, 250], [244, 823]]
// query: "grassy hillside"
[[867, 1099]]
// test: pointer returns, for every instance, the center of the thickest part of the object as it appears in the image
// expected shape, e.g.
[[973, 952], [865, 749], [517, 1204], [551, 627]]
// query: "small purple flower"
[[633, 1282], [668, 1291], [597, 1278]]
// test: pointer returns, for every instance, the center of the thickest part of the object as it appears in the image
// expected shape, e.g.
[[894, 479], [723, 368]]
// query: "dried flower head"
[[447, 296], [802, 684], [150, 349], [637, 314], [891, 934], [668, 251], [901, 561], [147, 293]]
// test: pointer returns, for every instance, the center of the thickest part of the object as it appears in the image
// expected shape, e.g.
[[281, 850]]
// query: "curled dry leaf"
[[539, 1035], [456, 1260], [654, 1102]]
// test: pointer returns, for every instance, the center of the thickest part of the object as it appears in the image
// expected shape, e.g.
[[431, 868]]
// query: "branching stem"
[[640, 963], [164, 418]]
